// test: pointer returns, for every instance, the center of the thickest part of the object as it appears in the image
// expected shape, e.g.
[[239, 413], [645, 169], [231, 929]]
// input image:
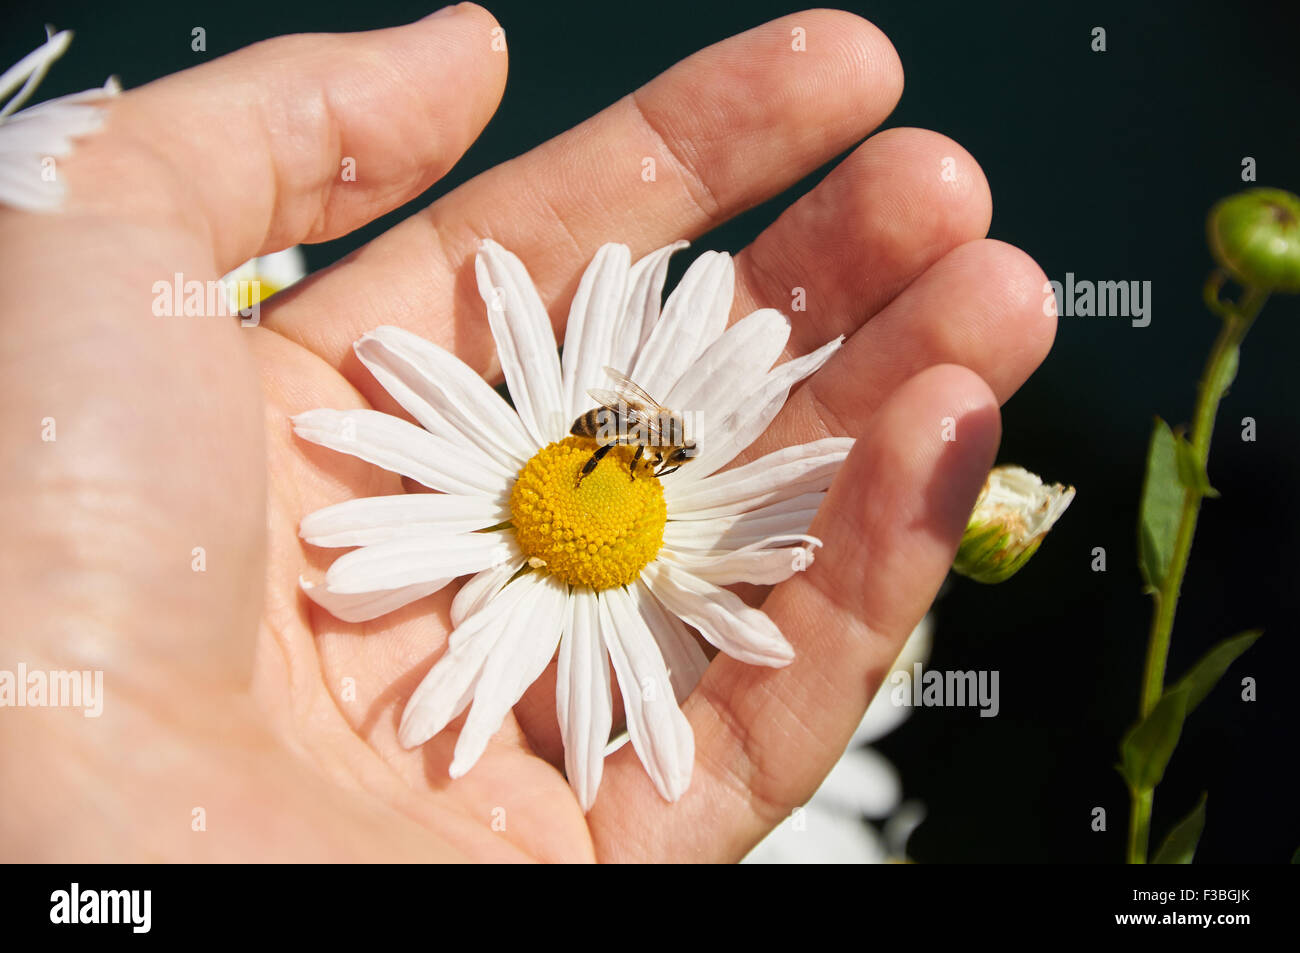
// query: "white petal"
[[693, 318], [660, 732], [762, 563], [525, 648], [525, 342], [447, 689], [645, 288], [28, 139], [407, 562], [784, 517], [722, 440], [31, 69], [401, 447], [743, 632], [447, 397], [22, 187], [685, 659], [583, 699], [49, 129], [862, 782], [364, 606], [281, 268], [376, 519], [823, 836], [883, 715], [483, 586], [731, 368], [777, 476], [593, 319], [898, 829]]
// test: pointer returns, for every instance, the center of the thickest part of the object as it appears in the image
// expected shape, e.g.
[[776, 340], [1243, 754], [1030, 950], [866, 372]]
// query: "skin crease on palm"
[[225, 689]]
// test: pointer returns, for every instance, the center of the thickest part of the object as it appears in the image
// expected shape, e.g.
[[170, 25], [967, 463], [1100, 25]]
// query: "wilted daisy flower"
[[31, 140], [609, 568], [1012, 516]]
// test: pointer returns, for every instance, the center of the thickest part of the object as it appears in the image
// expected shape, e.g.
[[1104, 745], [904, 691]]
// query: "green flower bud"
[[1012, 515], [1255, 236]]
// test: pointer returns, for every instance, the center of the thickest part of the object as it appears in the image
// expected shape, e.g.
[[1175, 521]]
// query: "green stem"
[[1139, 828], [1219, 372]]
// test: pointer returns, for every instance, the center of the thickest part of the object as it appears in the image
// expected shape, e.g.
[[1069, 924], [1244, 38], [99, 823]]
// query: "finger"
[[300, 138], [895, 206], [765, 738], [724, 129], [980, 306]]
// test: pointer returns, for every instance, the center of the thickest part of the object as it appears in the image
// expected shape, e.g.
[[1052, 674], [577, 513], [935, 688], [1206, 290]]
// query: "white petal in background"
[[660, 733], [694, 316], [401, 447], [743, 632], [589, 334], [583, 697], [447, 397], [831, 828], [777, 476], [525, 341], [818, 835]]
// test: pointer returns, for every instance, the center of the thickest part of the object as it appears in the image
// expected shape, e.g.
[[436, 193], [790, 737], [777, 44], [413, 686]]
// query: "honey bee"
[[630, 416]]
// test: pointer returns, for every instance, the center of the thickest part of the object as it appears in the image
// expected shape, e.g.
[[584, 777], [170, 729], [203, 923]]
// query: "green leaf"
[[1162, 506], [1191, 472], [1146, 749], [1180, 845], [1205, 674]]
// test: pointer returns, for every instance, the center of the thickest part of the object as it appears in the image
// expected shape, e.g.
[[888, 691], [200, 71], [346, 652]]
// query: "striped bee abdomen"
[[597, 423]]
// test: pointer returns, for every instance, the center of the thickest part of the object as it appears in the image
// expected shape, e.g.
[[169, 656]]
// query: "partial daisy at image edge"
[[611, 567]]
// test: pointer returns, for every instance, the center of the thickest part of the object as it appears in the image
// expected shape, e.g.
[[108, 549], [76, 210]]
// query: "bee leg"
[[592, 461], [635, 460]]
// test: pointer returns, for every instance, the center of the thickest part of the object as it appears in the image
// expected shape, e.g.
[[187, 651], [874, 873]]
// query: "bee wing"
[[631, 389], [634, 411]]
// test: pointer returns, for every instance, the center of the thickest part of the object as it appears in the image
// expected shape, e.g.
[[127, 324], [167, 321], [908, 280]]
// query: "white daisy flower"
[[31, 140], [615, 567]]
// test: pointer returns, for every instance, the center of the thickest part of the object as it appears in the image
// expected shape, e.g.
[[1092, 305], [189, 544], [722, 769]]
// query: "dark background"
[[1102, 164]]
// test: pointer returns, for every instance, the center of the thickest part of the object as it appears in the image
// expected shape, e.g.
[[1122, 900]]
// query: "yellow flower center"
[[600, 533]]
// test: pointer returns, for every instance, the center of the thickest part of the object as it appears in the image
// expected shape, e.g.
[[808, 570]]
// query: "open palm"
[[240, 721]]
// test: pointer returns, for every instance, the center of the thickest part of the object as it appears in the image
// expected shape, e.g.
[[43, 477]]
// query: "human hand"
[[228, 691]]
